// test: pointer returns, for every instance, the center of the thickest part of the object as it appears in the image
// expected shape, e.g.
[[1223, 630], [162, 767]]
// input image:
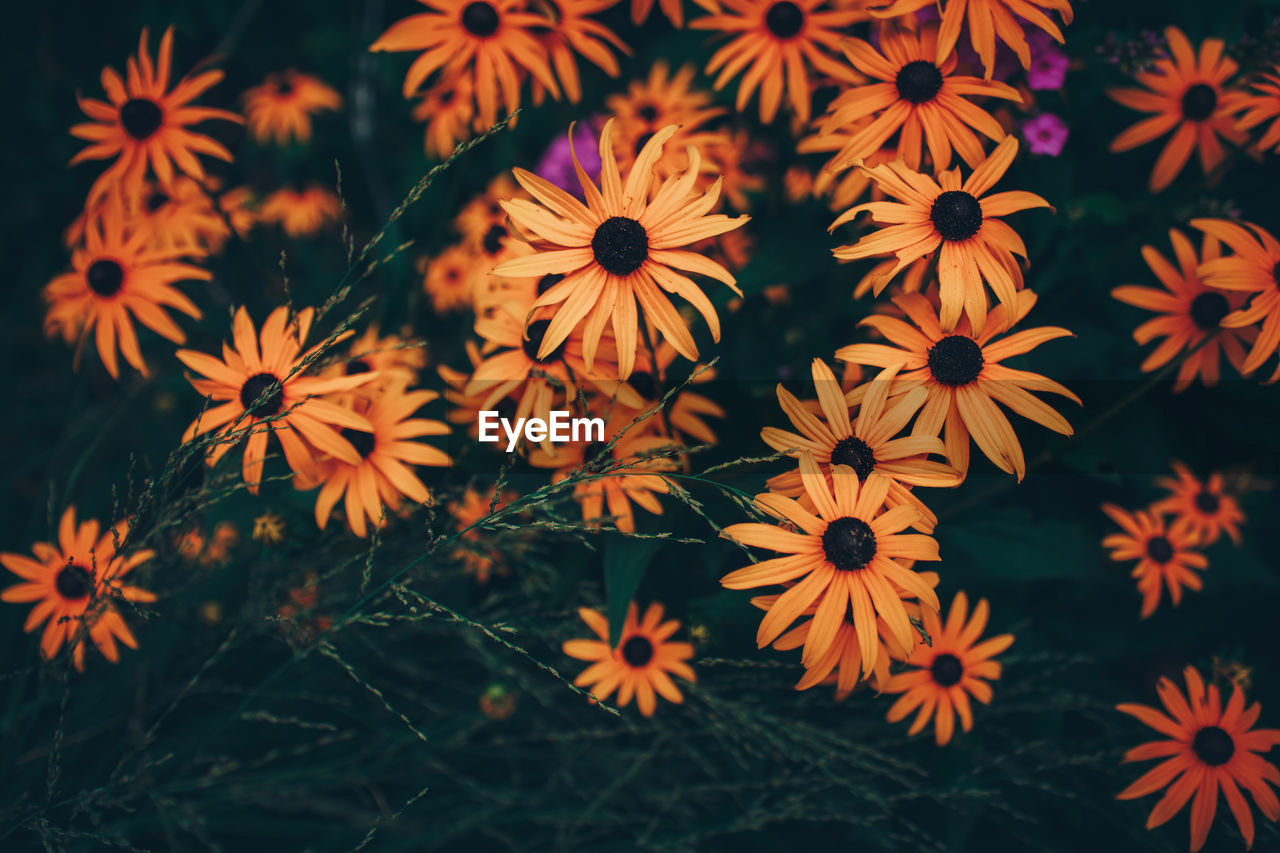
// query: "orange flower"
[[1204, 506], [74, 582], [1164, 554], [777, 42], [948, 671], [448, 109], [267, 389], [1189, 312], [146, 122], [574, 32], [1262, 104], [116, 277], [478, 559], [955, 220], [1251, 270], [1189, 94], [639, 665], [1207, 748], [300, 214], [281, 108]]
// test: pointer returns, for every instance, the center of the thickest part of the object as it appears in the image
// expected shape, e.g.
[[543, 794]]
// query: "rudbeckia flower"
[[301, 213], [448, 109], [640, 665], [1260, 105], [1250, 270], [147, 122], [1164, 553], [573, 31], [1203, 504], [956, 219], [622, 246], [281, 108], [73, 583], [1207, 749]]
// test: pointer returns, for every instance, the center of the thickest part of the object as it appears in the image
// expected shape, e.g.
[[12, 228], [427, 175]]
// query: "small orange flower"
[[1164, 554], [1262, 104], [639, 665], [448, 109], [574, 32], [1252, 271], [281, 108], [1205, 506], [301, 213]]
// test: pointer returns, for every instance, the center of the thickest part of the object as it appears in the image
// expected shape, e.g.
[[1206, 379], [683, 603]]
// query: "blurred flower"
[[557, 164], [498, 702], [1207, 748], [448, 109], [1205, 507], [300, 213], [639, 665], [396, 361], [570, 30], [281, 108], [1251, 270], [1045, 134], [73, 582], [268, 529], [478, 559], [1164, 553], [1260, 105], [1048, 62]]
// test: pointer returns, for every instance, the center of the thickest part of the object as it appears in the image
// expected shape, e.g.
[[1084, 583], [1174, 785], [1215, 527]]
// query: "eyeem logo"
[[559, 429]]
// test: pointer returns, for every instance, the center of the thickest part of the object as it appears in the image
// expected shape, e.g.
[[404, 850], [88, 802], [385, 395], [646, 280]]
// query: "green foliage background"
[[240, 735]]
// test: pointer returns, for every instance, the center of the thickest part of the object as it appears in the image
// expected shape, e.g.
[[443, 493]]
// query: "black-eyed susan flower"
[[116, 277], [778, 44], [1190, 96], [1207, 749], [261, 392], [1165, 554], [144, 121], [573, 33], [396, 359], [916, 95], [300, 213], [844, 558], [962, 373], [448, 109], [280, 110], [1203, 504], [622, 247], [948, 670], [687, 412], [1251, 270], [956, 219], [989, 21], [640, 665], [183, 215], [1189, 311], [1262, 104], [268, 528], [495, 42], [384, 474], [73, 583], [479, 559], [866, 442]]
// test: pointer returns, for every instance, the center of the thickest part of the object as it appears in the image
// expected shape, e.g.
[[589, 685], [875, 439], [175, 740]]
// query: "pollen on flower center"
[[855, 453], [73, 581], [918, 81], [362, 441], [849, 543], [1213, 746], [784, 19], [620, 245], [637, 650], [1199, 102], [105, 278], [534, 334], [480, 19], [141, 117], [1208, 309], [1207, 502], [1160, 549], [956, 360], [261, 395], [946, 670], [956, 215]]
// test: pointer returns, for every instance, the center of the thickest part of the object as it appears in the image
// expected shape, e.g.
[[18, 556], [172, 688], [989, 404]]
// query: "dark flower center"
[[1199, 101], [784, 20], [1208, 309], [358, 366], [285, 87], [493, 239], [1160, 549], [533, 341], [648, 112], [620, 245], [956, 360], [918, 81], [1208, 503], [642, 381], [105, 278], [480, 19], [641, 141], [362, 441], [855, 453], [549, 281], [1213, 746], [956, 215], [849, 543], [141, 117], [946, 670], [261, 395], [73, 581], [637, 650], [156, 200]]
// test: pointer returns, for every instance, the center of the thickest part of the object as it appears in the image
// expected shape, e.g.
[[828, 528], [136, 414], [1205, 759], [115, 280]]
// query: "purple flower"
[[1045, 134], [557, 164], [1048, 61]]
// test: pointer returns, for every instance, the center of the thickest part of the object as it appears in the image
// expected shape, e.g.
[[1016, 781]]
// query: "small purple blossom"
[[1048, 61], [557, 164], [1045, 134]]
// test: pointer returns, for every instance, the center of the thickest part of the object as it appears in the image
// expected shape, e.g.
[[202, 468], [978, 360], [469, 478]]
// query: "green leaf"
[[624, 564]]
